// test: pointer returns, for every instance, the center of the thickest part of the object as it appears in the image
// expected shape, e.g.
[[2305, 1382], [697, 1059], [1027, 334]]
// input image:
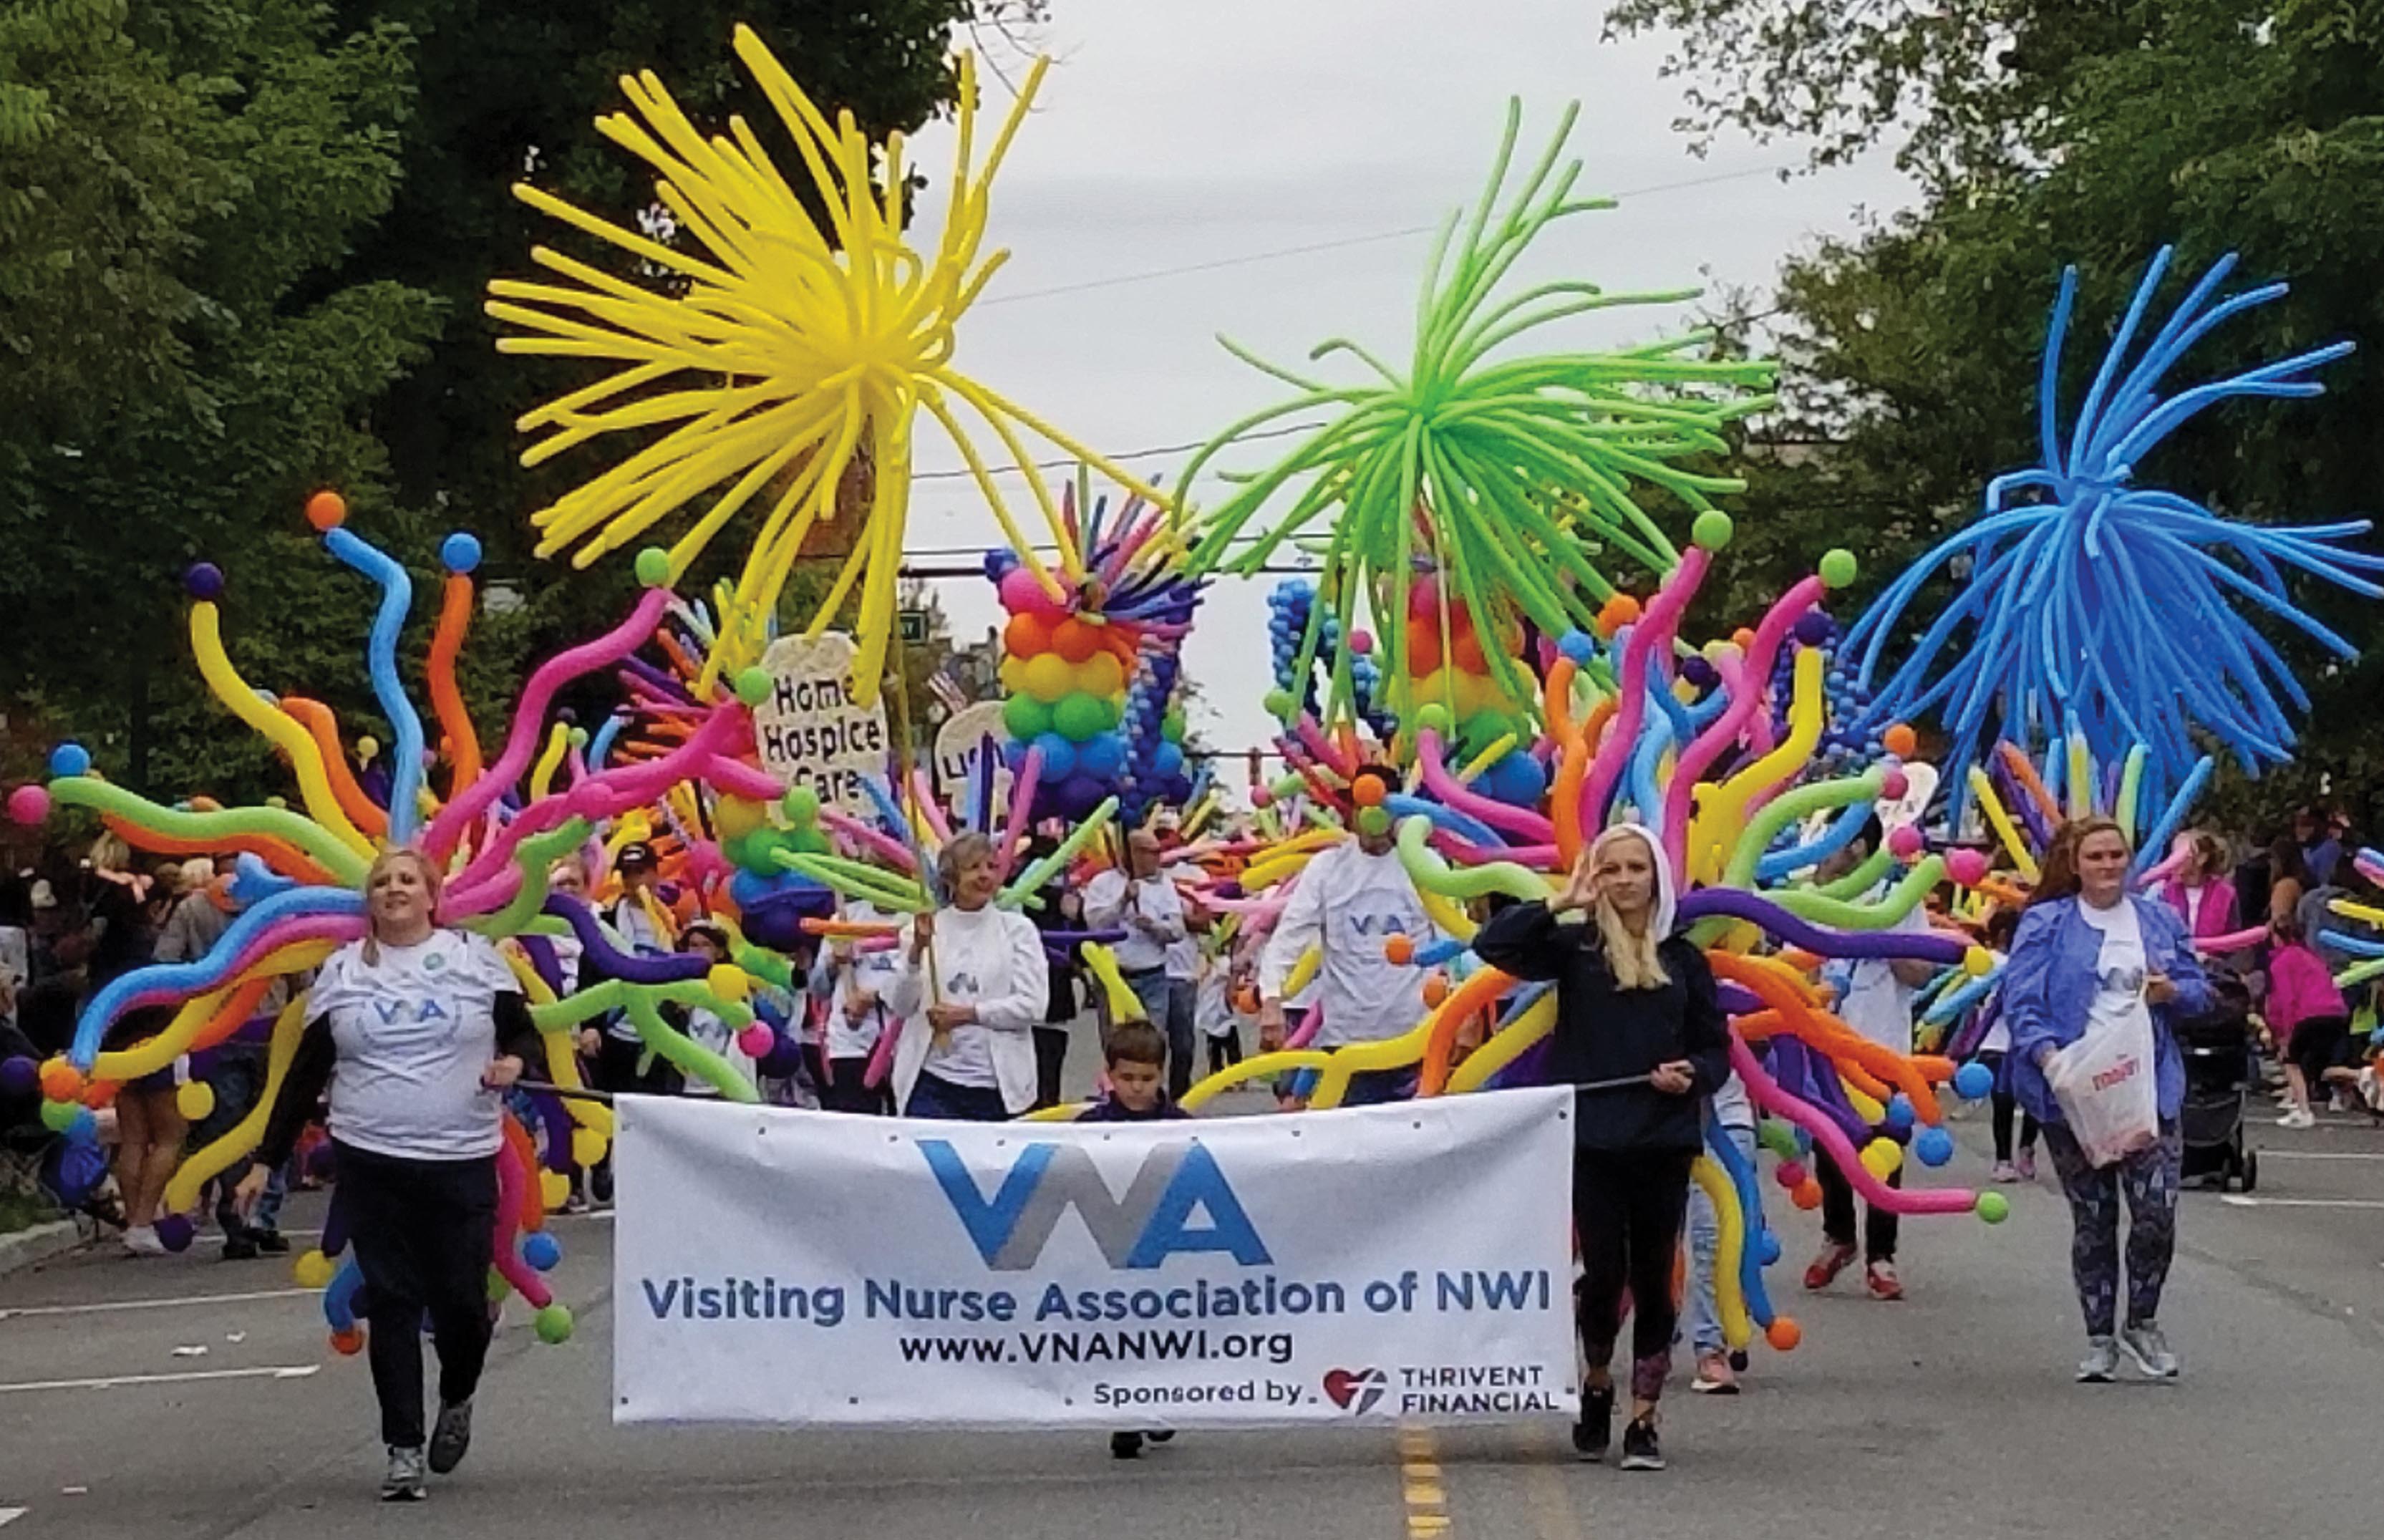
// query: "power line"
[[1067, 462], [1311, 248]]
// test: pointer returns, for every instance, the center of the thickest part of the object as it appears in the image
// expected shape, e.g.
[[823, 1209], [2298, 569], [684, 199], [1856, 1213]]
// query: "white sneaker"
[[142, 1240], [2300, 1117], [2005, 1172]]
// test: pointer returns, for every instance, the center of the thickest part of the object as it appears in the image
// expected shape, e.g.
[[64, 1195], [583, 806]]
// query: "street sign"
[[911, 626]]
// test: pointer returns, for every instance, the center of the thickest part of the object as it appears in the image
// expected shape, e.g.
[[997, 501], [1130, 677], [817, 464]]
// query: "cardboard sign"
[[811, 733], [957, 748]]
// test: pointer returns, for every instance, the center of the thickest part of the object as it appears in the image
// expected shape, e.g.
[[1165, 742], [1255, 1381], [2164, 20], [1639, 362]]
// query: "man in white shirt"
[[1142, 901], [1875, 999], [1350, 900]]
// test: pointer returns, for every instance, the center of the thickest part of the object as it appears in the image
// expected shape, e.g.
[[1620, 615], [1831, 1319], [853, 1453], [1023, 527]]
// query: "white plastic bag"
[[2106, 1085]]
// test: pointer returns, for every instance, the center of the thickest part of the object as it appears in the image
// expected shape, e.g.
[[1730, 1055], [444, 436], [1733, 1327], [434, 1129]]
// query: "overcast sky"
[[1170, 134]]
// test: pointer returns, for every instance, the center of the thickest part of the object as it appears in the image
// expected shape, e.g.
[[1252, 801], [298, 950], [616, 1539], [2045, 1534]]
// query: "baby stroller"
[[2217, 1048]]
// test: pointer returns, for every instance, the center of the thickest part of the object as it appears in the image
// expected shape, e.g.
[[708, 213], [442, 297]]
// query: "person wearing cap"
[[638, 918], [1349, 901]]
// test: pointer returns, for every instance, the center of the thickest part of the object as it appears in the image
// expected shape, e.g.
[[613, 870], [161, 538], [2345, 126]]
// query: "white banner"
[[811, 733], [1367, 1266]]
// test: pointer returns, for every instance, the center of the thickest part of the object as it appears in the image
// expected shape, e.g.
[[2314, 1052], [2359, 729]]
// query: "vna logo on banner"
[[1150, 1224]]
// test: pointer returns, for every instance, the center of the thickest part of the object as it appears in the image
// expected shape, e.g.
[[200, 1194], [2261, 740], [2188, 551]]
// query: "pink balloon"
[[1904, 840], [28, 804], [1022, 594], [1967, 867], [756, 1041]]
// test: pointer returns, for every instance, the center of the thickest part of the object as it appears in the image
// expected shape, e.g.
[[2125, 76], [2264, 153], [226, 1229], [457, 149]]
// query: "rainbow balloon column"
[[495, 827], [1067, 659], [2101, 605]]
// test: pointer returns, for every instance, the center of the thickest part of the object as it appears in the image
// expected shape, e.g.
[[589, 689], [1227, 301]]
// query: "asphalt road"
[[1949, 1415]]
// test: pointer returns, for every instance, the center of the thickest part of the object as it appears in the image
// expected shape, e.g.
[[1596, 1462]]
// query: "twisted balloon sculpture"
[[2098, 605]]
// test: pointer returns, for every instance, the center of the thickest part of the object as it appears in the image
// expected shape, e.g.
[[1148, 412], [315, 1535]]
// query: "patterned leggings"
[[2149, 1178]]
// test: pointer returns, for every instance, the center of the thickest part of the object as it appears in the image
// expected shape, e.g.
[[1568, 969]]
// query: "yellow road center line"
[[1420, 1487]]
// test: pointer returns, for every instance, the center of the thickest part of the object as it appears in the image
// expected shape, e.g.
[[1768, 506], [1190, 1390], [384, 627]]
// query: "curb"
[[28, 1247]]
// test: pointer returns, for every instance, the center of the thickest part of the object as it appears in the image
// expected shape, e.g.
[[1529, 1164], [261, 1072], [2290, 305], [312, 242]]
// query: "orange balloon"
[[348, 1343], [1617, 613], [327, 511], [61, 1081], [1435, 991], [1399, 950], [1784, 1335], [1423, 650], [1901, 740], [1075, 641], [1026, 635], [1807, 1194], [1467, 655]]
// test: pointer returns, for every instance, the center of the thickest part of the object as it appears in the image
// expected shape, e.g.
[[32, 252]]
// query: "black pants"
[[616, 1068], [1627, 1209], [1224, 1051], [1050, 1058], [1838, 1213], [841, 1089], [2004, 1108], [424, 1234], [2319, 1043]]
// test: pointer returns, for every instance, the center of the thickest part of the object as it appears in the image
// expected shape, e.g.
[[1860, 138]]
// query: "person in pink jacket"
[[2202, 893], [2306, 1016]]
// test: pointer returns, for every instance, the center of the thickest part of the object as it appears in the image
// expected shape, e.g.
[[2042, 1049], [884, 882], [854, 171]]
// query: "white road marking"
[[10, 1515], [174, 1302], [2236, 1201], [2321, 1155], [282, 1371]]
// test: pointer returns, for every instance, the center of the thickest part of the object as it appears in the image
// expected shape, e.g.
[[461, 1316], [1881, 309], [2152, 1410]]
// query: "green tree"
[[205, 164], [2043, 134], [243, 245]]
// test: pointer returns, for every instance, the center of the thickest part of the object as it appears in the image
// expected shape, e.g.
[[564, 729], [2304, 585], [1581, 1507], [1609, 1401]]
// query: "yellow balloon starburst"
[[777, 354]]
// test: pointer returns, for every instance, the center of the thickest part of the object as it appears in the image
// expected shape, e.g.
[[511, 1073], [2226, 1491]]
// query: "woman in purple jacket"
[[2088, 950]]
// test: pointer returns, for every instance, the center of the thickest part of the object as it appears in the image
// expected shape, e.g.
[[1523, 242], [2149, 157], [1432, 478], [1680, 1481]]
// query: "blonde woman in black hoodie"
[[1640, 1029]]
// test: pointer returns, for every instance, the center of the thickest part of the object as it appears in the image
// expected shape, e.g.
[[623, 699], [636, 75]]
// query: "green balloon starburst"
[[1506, 472]]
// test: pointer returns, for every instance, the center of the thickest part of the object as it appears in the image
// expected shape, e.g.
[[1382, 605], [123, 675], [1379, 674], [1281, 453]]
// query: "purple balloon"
[[1931, 948], [609, 960], [1081, 794]]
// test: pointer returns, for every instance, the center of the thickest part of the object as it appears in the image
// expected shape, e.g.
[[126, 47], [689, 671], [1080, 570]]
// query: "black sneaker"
[[450, 1437], [403, 1484], [1640, 1450], [240, 1246], [273, 1243], [1161, 1435], [1126, 1445], [1595, 1429]]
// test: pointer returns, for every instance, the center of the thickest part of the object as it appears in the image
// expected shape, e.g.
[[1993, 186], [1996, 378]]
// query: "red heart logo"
[[1354, 1390]]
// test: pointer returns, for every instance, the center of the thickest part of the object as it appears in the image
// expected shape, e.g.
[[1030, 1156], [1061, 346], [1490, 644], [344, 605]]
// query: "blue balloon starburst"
[[2095, 605]]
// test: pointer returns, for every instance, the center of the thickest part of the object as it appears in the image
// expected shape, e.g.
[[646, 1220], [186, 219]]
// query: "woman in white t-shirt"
[[2089, 953], [972, 988], [416, 1031]]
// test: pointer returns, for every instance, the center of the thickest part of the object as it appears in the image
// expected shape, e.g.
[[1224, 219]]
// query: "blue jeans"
[[238, 1080], [945, 1102], [1701, 1319]]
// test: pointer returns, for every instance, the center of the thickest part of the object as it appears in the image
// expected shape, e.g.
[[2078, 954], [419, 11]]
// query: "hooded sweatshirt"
[[1604, 1032]]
